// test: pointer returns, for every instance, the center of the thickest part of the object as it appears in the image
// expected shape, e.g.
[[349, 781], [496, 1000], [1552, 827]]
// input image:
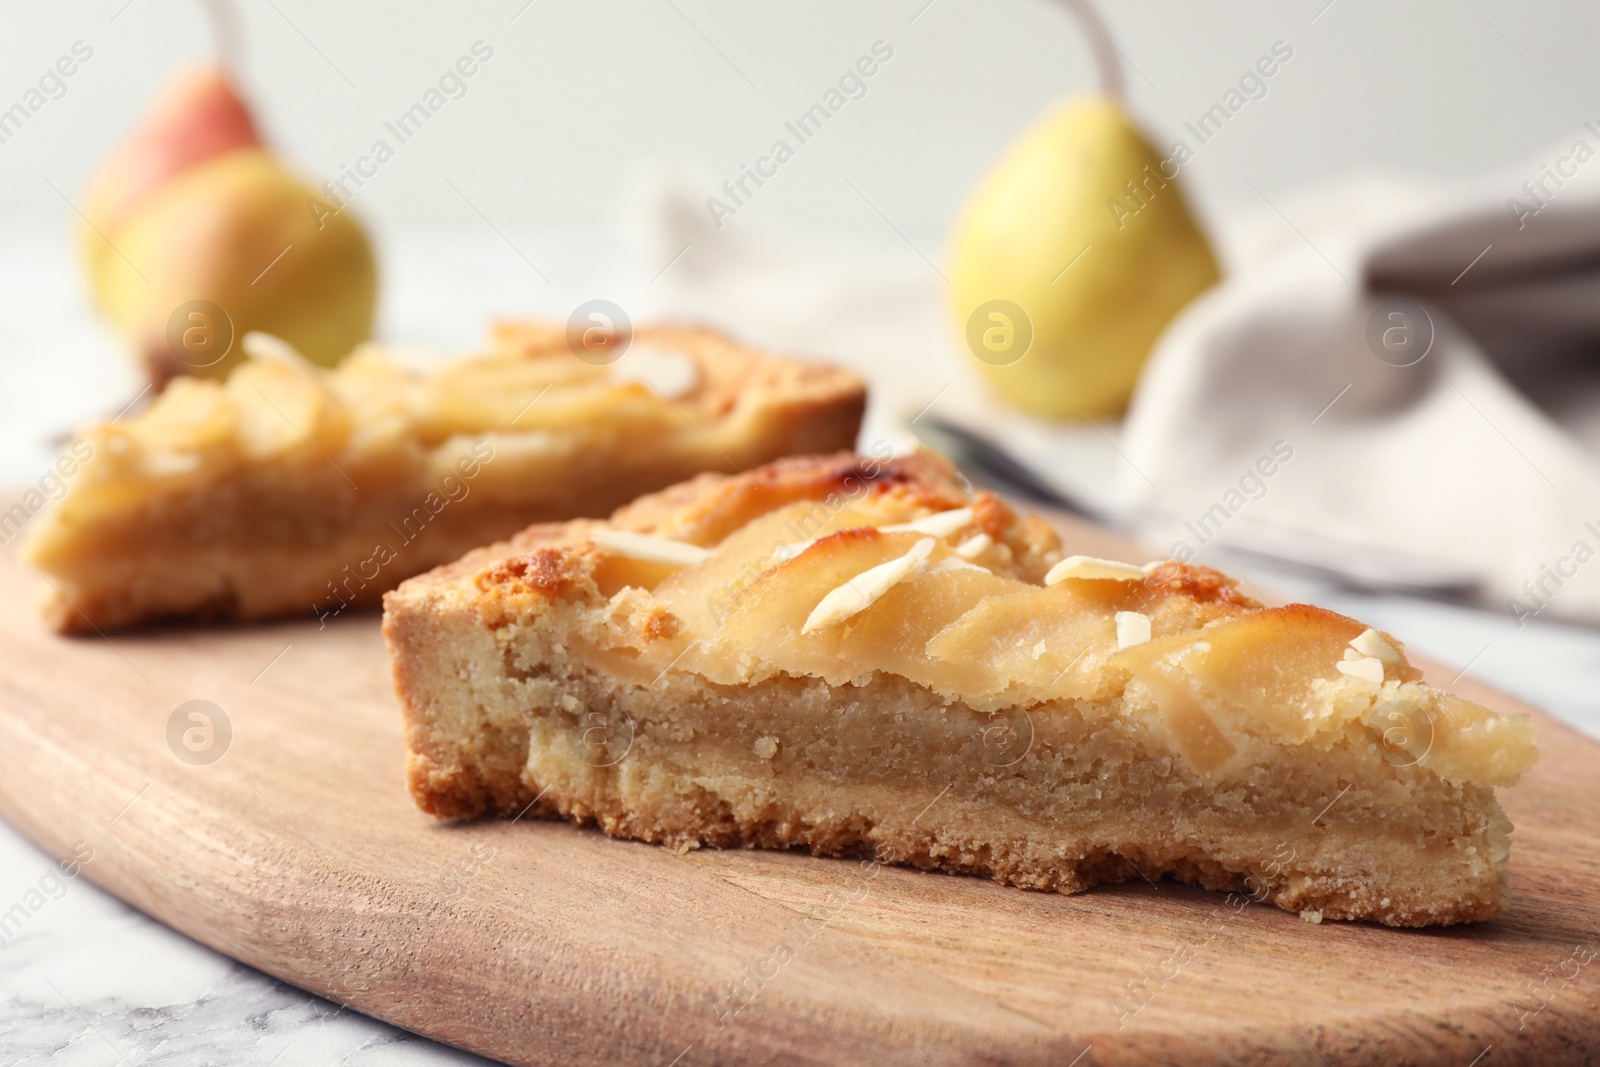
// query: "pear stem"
[[1107, 59], [225, 33]]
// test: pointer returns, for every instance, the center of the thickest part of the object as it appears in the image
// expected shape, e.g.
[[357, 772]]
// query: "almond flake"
[[939, 524], [974, 546], [1133, 628], [673, 373], [1371, 643], [1367, 667], [1090, 567], [860, 592], [259, 345], [951, 563], [648, 549], [786, 551]]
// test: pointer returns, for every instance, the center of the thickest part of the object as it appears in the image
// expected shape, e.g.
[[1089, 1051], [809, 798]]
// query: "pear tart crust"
[[291, 489], [855, 655]]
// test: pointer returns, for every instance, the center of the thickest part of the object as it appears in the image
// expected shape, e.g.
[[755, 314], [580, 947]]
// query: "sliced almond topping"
[[939, 524], [649, 549], [951, 563], [675, 374], [1133, 628], [259, 345], [1090, 567], [859, 593], [1367, 667], [974, 546], [1371, 643], [786, 551]]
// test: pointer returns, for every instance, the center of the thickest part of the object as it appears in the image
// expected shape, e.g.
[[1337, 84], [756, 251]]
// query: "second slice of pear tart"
[[291, 489]]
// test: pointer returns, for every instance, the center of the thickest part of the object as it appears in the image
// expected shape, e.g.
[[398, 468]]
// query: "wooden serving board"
[[299, 852]]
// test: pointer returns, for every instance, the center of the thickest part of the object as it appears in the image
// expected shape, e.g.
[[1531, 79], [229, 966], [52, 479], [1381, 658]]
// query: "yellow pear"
[[1071, 258], [195, 234]]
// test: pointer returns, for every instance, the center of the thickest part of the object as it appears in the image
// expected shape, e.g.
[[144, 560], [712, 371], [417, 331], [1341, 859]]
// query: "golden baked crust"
[[292, 489], [693, 686]]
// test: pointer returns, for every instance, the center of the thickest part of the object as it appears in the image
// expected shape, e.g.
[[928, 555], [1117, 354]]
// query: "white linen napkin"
[[1428, 353]]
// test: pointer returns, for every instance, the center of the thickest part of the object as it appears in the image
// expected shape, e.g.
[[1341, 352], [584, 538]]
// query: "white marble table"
[[88, 981]]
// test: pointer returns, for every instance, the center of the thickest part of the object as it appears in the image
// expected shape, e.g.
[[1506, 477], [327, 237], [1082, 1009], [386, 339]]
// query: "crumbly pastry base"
[[499, 720], [538, 676]]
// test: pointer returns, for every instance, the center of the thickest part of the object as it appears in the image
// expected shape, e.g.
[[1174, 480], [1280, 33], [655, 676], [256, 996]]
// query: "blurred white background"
[[580, 95]]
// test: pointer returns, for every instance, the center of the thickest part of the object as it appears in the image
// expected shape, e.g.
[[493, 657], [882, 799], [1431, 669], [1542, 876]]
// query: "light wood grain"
[[299, 852]]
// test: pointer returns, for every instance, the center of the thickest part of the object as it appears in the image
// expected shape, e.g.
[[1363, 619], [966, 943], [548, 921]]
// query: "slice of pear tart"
[[855, 655], [291, 489]]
